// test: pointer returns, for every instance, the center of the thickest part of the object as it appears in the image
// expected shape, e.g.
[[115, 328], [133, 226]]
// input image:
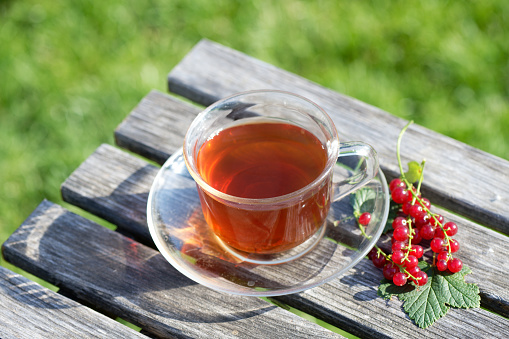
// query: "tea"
[[258, 161]]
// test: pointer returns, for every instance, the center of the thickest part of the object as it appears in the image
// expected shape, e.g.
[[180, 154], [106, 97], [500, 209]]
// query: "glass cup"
[[265, 166]]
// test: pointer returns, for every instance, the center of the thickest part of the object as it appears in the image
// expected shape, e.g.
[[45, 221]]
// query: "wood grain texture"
[[151, 127], [133, 281], [101, 196], [350, 302], [459, 177], [32, 311]]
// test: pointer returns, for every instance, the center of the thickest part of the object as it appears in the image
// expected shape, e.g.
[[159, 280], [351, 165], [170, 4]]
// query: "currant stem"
[[409, 275], [410, 237], [379, 250], [433, 215], [364, 233], [403, 269], [337, 222], [398, 146]]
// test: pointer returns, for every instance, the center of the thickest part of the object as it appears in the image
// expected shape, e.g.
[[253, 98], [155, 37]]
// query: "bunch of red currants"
[[414, 223]]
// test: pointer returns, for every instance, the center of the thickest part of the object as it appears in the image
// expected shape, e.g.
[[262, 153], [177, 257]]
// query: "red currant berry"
[[425, 202], [421, 220], [417, 251], [397, 257], [398, 222], [417, 237], [400, 233], [416, 210], [427, 232], [421, 278], [455, 265], [372, 253], [451, 228], [399, 279], [411, 195], [389, 270], [406, 207], [454, 245], [410, 261], [379, 260], [438, 218], [437, 245], [396, 183], [399, 195], [398, 246], [439, 233], [441, 265], [444, 255], [413, 271], [365, 218]]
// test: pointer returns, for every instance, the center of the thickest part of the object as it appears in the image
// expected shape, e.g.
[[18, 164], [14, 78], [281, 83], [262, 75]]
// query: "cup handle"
[[357, 164]]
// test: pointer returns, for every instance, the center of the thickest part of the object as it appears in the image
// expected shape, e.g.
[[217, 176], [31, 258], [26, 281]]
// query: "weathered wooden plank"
[[151, 127], [101, 196], [32, 311], [458, 177], [341, 302], [352, 302], [128, 279]]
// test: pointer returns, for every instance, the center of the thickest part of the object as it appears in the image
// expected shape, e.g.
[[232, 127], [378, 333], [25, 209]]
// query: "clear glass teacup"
[[264, 164]]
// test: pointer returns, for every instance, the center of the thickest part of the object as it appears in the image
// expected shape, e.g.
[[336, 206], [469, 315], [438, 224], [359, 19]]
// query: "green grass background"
[[70, 71]]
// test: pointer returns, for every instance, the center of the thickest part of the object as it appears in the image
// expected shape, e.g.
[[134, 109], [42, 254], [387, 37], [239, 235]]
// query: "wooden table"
[[103, 274]]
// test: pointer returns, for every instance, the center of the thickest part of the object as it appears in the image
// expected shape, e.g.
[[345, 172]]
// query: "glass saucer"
[[183, 237]]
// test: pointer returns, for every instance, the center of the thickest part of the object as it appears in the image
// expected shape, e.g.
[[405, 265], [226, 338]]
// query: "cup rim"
[[331, 161]]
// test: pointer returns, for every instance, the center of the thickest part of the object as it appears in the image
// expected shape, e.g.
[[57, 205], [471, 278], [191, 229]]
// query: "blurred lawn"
[[70, 71]]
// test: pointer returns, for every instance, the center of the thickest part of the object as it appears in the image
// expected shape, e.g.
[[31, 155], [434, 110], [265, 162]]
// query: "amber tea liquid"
[[264, 160]]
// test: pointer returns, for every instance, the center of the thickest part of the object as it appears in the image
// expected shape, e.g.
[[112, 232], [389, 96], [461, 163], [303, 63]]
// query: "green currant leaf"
[[426, 304], [387, 289], [363, 200], [414, 171], [456, 292]]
